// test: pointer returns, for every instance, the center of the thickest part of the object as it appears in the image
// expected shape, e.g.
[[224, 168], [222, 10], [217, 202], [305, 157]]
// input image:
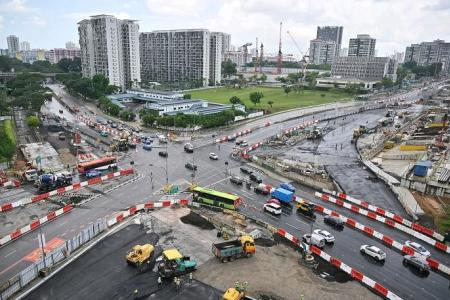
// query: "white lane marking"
[[219, 181], [293, 226], [302, 222], [10, 253]]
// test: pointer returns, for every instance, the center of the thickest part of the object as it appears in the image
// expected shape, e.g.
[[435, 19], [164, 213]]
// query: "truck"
[[244, 246], [50, 181], [172, 263], [140, 254], [31, 175], [284, 196]]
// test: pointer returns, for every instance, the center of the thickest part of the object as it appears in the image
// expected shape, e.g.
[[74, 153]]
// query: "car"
[[256, 178], [61, 136], [213, 156], [314, 239], [288, 186], [418, 248], [416, 262], [244, 144], [93, 173], [132, 145], [114, 125], [163, 153], [239, 142], [189, 148], [237, 180], [334, 221], [246, 170], [147, 146], [191, 166], [261, 190], [231, 138], [329, 238], [273, 208], [104, 133], [109, 121], [273, 200], [373, 252], [120, 128]]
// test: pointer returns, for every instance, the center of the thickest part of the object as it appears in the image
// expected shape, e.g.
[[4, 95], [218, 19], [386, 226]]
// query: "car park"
[[287, 186], [163, 153], [334, 221], [329, 238], [417, 262], [237, 180], [373, 252], [246, 170], [418, 248], [261, 190], [314, 239], [190, 166], [213, 156], [273, 208], [256, 178]]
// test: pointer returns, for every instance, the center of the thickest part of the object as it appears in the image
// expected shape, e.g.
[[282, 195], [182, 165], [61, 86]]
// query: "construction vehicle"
[[357, 132], [244, 246], [306, 208], [315, 133], [50, 181], [140, 254], [236, 293], [173, 263]]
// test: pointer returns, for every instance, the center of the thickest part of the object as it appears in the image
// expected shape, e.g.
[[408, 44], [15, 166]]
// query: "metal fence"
[[20, 280]]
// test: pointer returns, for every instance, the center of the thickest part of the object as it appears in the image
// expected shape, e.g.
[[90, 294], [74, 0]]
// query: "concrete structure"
[[71, 45], [55, 55], [237, 57], [110, 46], [342, 83], [13, 45], [24, 46], [322, 52], [362, 45], [31, 56], [331, 34], [155, 94], [42, 156], [190, 107], [427, 53], [189, 57], [364, 68]]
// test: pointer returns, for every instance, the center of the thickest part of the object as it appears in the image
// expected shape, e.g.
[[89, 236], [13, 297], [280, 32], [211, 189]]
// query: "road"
[[212, 173]]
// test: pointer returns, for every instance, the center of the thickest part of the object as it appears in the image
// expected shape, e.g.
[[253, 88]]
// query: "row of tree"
[[27, 91], [8, 64], [115, 110], [89, 88]]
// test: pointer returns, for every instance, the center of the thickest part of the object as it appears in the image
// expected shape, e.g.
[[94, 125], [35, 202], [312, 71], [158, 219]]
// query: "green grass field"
[[277, 95]]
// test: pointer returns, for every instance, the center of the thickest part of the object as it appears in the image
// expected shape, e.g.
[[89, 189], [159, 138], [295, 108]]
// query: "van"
[[314, 239]]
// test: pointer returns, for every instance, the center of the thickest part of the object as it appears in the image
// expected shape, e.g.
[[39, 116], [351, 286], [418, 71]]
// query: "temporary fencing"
[[233, 136]]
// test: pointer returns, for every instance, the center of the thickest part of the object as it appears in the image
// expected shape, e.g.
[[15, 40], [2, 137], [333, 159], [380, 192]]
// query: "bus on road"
[[216, 198], [102, 164]]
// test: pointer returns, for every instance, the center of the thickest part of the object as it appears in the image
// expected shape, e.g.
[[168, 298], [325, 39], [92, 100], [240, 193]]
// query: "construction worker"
[[190, 277], [178, 284], [159, 282]]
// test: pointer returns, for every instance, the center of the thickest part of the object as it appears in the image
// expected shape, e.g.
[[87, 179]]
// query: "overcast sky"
[[394, 23]]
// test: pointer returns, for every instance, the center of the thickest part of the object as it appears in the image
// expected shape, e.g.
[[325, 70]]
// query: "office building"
[[186, 57], [322, 52], [364, 68], [363, 45], [13, 45], [55, 55], [71, 45], [24, 46], [331, 34], [427, 53], [110, 46]]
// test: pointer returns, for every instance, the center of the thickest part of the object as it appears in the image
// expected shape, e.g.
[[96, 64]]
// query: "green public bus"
[[216, 198]]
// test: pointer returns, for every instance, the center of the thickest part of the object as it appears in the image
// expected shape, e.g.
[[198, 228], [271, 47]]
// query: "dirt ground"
[[430, 204]]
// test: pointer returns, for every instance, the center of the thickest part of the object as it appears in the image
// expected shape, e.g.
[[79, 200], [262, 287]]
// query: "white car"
[[314, 239], [273, 208], [373, 251], [244, 144], [418, 248], [329, 238], [213, 156]]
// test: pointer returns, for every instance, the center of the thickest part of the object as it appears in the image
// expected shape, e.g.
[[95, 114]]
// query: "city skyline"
[[242, 19]]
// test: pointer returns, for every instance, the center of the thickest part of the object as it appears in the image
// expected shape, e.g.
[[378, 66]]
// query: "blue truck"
[[287, 186], [283, 195]]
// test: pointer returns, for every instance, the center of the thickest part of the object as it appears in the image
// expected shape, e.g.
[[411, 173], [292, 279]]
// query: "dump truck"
[[173, 263], [50, 181], [244, 246], [283, 195], [306, 208], [140, 254]]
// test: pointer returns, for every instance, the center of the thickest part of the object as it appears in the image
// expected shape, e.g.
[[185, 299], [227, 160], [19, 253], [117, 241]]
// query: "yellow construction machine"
[[140, 254]]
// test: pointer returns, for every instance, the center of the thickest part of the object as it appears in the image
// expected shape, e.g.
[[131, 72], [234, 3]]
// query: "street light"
[[165, 169]]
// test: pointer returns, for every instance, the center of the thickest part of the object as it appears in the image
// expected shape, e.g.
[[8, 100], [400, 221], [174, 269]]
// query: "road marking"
[[10, 253], [293, 226], [219, 181], [302, 222]]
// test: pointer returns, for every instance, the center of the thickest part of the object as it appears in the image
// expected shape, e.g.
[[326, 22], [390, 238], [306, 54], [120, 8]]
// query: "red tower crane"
[[280, 54]]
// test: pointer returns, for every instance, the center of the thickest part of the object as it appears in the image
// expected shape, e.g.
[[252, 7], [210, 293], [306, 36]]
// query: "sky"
[[394, 23]]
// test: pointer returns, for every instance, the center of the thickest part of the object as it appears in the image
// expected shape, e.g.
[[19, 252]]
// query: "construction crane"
[[256, 56], [280, 54], [305, 56], [245, 47], [261, 58]]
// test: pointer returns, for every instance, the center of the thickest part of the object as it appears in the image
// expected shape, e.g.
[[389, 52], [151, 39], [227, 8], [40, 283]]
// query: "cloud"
[[439, 5], [78, 16], [1, 22], [177, 7], [38, 21], [18, 6]]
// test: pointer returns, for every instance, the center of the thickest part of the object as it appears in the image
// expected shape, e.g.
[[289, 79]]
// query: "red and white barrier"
[[267, 124], [389, 222], [388, 214], [383, 291], [234, 135], [434, 264], [14, 183], [150, 205], [35, 224], [73, 187]]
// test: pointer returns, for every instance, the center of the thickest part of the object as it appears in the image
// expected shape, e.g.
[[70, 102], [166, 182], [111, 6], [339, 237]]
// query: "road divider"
[[73, 187], [355, 274], [389, 222], [13, 183], [34, 225], [234, 135], [434, 264], [388, 214]]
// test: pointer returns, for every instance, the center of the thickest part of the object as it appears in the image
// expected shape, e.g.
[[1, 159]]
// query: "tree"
[[255, 97], [281, 79], [149, 120], [287, 90], [235, 100], [33, 121], [270, 102], [228, 68], [187, 96], [263, 77], [387, 83]]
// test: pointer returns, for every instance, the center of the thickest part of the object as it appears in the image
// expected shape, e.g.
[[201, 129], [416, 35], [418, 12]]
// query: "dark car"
[[246, 170], [334, 221], [261, 190], [163, 153], [190, 166], [416, 262], [256, 178], [132, 145], [237, 180]]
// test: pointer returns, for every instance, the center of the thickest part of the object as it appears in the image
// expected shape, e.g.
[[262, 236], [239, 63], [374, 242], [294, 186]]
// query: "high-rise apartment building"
[[427, 53], [55, 55], [322, 52], [25, 46], [110, 46], [189, 57], [13, 45], [362, 45], [331, 34], [343, 52], [71, 45]]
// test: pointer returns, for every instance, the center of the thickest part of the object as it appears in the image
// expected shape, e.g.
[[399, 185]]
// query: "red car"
[[273, 200]]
